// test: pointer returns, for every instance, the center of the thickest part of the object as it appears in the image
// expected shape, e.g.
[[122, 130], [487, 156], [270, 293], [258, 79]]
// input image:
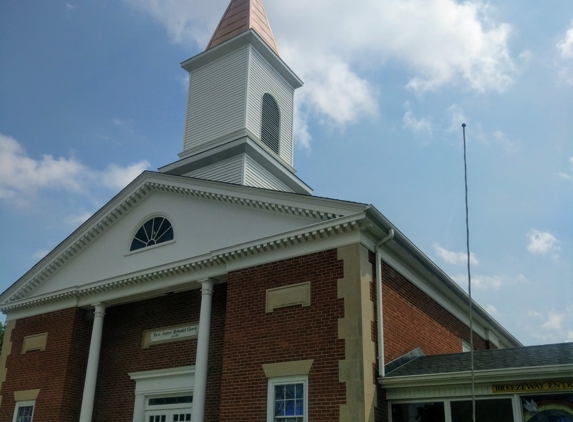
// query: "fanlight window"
[[270, 123], [154, 231]]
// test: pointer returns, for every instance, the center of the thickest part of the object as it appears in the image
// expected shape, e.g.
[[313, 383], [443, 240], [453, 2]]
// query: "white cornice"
[[149, 182], [218, 257]]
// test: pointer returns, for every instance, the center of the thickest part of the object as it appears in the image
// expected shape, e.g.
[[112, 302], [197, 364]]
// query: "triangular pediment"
[[209, 219]]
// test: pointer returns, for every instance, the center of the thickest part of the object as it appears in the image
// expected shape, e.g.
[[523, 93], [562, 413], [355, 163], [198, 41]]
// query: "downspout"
[[379, 302]]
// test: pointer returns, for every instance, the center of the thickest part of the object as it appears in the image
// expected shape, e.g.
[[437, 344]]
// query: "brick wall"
[[412, 319], [57, 371], [121, 351], [253, 337]]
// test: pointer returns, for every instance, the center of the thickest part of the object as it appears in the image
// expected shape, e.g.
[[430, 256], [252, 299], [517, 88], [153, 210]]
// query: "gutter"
[[506, 375]]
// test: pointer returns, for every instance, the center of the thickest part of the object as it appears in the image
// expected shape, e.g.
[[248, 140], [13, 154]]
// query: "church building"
[[220, 289]]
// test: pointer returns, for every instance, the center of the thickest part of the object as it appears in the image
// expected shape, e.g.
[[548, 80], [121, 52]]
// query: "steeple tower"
[[240, 110], [240, 16]]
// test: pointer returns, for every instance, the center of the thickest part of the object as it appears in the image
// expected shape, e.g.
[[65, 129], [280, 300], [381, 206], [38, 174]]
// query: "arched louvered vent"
[[152, 232], [270, 128]]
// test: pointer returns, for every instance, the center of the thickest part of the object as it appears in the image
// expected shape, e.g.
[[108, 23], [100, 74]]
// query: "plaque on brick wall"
[[169, 334]]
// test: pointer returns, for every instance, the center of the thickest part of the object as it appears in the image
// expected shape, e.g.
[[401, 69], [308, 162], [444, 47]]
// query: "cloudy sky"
[[91, 94]]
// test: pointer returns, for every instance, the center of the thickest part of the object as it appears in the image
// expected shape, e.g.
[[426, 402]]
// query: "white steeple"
[[239, 124]]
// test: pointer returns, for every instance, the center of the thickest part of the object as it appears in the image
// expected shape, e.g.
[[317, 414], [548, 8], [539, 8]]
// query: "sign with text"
[[169, 334], [173, 333], [527, 387]]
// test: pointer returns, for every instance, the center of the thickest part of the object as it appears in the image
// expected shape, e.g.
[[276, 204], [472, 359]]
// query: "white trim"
[[20, 404], [294, 379], [291, 240], [320, 209], [160, 382], [492, 375]]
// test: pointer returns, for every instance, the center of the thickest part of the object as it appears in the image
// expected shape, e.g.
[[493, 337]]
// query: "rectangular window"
[[288, 399], [24, 411], [418, 412], [491, 410]]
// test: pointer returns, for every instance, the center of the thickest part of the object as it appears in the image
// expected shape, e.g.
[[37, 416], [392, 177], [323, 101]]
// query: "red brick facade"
[[57, 371], [254, 337], [412, 319], [121, 351], [243, 338]]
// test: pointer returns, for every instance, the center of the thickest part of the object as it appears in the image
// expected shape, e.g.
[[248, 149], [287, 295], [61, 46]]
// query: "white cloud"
[[332, 89], [565, 50], [186, 21], [568, 176], [41, 253], [119, 122], [551, 326], [485, 282], [543, 243], [302, 136], [554, 321], [435, 42], [22, 176], [416, 125], [117, 177], [492, 310], [455, 258], [457, 117], [76, 220], [70, 6], [507, 145], [565, 44]]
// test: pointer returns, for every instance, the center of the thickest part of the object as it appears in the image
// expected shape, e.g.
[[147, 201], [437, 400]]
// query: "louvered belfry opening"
[[270, 126]]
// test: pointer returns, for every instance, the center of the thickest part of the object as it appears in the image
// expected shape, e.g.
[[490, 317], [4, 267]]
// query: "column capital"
[[99, 309], [207, 286]]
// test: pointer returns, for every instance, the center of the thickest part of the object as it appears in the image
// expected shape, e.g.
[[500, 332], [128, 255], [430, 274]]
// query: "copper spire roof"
[[240, 16]]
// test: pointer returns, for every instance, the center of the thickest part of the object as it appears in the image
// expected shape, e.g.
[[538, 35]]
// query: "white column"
[[93, 362], [202, 359]]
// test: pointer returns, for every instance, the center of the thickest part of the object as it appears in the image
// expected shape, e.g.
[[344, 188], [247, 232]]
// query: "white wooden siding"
[[256, 175], [262, 79], [229, 170], [216, 103]]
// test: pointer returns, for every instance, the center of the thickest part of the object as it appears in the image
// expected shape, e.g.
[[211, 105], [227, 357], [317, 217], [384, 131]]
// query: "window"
[[24, 411], [419, 412], [154, 231], [548, 407], [169, 409], [287, 399], [270, 123], [491, 410], [466, 347]]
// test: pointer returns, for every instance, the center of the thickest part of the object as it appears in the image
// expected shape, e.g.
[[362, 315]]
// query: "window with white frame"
[[288, 399], [24, 411]]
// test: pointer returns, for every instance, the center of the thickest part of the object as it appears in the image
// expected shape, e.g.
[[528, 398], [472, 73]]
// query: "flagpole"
[[469, 281]]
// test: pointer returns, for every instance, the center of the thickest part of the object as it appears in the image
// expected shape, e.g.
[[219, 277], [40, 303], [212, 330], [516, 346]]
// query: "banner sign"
[[527, 387]]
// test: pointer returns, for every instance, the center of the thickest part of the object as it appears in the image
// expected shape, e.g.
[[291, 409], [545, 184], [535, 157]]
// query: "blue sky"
[[91, 94]]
